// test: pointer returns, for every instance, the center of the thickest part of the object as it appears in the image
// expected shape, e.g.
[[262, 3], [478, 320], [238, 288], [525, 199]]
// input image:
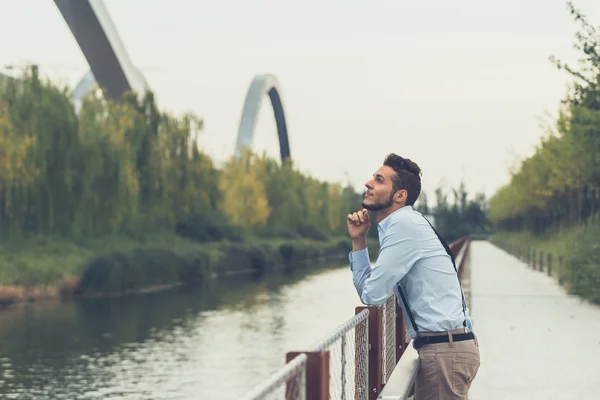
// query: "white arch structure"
[[98, 39], [262, 85]]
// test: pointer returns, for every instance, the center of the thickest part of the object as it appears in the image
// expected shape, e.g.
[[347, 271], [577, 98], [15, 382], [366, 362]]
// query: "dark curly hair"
[[408, 176]]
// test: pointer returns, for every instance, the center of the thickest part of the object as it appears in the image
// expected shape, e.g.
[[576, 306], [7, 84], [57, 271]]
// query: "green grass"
[[47, 260], [561, 244]]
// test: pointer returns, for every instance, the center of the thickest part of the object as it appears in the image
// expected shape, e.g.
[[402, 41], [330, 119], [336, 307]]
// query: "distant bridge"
[[111, 68]]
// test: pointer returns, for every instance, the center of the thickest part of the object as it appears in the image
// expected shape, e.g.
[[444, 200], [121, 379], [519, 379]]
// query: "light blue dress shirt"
[[411, 253]]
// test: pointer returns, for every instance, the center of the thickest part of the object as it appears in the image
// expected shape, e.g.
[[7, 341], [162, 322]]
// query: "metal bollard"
[[560, 273]]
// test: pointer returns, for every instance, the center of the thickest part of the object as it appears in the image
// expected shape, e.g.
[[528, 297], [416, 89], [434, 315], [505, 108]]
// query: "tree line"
[[116, 167], [559, 185], [128, 167]]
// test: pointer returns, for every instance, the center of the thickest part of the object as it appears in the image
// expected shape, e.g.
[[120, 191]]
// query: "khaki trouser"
[[446, 369]]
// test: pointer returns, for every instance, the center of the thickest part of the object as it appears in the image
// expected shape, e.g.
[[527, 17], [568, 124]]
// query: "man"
[[414, 264]]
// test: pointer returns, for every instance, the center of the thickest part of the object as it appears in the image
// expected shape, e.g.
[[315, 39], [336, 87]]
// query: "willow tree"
[[188, 176], [17, 173], [45, 112], [108, 186], [243, 193]]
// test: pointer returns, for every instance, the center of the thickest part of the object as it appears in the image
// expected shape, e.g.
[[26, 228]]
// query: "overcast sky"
[[459, 87]]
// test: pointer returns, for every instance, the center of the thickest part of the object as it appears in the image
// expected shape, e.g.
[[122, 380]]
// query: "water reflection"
[[190, 343]]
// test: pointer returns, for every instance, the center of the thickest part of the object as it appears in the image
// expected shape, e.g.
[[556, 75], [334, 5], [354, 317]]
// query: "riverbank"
[[578, 247], [50, 267]]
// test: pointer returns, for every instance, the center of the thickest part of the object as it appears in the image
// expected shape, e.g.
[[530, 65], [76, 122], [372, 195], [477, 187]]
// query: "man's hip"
[[447, 369]]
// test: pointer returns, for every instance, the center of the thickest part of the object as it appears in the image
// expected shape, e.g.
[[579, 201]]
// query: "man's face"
[[380, 190]]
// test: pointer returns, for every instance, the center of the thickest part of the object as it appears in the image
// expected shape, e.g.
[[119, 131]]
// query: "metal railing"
[[551, 263], [358, 359], [348, 348], [288, 383]]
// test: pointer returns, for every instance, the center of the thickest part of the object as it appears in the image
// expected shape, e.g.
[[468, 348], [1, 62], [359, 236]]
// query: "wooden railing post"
[[375, 350], [317, 373]]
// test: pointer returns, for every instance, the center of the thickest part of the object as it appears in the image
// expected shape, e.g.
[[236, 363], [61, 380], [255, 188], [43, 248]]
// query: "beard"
[[380, 205]]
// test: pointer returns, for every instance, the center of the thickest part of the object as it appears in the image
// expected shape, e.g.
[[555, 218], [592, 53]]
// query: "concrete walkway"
[[536, 341]]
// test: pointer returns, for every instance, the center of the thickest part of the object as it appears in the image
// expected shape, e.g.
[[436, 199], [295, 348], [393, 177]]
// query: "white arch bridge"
[[112, 69]]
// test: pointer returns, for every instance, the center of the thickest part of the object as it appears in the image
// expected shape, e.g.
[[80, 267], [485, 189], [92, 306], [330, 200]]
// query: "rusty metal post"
[[375, 350], [400, 333], [317, 374], [549, 262]]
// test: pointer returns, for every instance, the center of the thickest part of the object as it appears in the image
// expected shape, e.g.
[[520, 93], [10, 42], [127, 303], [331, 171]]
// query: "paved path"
[[536, 341]]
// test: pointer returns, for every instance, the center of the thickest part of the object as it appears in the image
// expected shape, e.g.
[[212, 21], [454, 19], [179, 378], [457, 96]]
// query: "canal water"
[[190, 343]]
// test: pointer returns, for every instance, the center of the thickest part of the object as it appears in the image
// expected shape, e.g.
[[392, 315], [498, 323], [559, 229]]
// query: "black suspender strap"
[[410, 315], [464, 304]]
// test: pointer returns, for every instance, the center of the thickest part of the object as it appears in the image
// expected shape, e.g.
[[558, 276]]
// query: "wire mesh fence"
[[287, 383], [388, 338], [348, 348]]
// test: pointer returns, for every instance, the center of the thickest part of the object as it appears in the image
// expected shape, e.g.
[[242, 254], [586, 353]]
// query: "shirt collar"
[[383, 225]]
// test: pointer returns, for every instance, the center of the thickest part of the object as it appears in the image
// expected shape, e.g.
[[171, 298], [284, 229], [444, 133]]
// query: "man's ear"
[[401, 196]]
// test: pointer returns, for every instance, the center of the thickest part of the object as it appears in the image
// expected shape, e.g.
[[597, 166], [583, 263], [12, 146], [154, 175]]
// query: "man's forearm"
[[359, 243]]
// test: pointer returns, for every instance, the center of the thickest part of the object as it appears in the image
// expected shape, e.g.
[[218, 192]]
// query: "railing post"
[[375, 353], [400, 333], [317, 373], [560, 270], [541, 261], [343, 379], [522, 253], [533, 258], [549, 264]]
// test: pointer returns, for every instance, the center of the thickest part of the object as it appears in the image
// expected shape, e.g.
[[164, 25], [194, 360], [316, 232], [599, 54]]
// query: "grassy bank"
[[121, 264], [579, 248]]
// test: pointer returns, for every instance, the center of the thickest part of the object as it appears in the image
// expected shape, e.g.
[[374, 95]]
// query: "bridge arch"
[[262, 85], [100, 43], [88, 82]]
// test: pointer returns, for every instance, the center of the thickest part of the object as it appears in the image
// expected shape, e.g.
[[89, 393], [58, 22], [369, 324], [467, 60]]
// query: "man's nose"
[[368, 184]]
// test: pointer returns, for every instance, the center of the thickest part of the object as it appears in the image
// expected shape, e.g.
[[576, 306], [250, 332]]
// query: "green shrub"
[[585, 280], [156, 266], [584, 272], [209, 227], [311, 232]]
